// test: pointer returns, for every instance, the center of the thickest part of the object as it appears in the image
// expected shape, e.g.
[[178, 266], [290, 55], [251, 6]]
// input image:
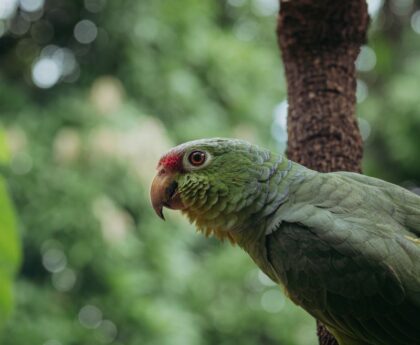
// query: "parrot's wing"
[[407, 204], [347, 284], [341, 255]]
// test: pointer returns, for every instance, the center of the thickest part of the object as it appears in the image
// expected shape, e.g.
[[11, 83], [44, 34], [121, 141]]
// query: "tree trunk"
[[320, 41]]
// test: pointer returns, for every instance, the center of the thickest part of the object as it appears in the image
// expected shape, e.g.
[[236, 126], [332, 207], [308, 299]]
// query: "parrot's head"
[[215, 182]]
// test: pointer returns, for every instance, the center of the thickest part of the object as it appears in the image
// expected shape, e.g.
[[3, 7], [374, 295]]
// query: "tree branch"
[[320, 41]]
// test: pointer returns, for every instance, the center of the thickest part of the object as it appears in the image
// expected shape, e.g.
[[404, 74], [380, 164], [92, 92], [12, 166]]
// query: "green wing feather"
[[346, 250], [406, 205]]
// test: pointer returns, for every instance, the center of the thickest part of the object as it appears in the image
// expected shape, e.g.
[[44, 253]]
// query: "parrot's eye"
[[197, 158]]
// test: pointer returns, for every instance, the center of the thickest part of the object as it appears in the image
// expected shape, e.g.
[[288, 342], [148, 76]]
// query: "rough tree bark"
[[320, 41]]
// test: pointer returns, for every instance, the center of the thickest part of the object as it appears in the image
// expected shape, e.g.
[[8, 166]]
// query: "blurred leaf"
[[9, 243], [9, 252]]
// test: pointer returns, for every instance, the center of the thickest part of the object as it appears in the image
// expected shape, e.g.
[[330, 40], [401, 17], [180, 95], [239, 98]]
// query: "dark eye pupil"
[[197, 158]]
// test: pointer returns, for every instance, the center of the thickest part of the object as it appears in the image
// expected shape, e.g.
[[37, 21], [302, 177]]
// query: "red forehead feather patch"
[[171, 161]]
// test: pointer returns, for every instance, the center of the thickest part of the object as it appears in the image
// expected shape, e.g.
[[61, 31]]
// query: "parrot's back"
[[346, 248]]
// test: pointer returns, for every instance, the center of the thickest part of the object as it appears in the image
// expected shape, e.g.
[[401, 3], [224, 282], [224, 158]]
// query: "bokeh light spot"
[[279, 126], [415, 22], [50, 244], [374, 6], [362, 91], [106, 94], [94, 6], [54, 260], [16, 140], [7, 8], [364, 127], [19, 25], [108, 331], [31, 5], [66, 61], [21, 163], [252, 282], [115, 222], [366, 60], [45, 73], [245, 30], [272, 301], [265, 7], [264, 279], [64, 281], [33, 16], [67, 145], [90, 316], [85, 31]]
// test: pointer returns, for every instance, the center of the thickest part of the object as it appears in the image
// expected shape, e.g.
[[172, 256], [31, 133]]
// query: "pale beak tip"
[[159, 210]]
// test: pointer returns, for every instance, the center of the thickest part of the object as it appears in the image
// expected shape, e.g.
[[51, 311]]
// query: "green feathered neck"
[[232, 202]]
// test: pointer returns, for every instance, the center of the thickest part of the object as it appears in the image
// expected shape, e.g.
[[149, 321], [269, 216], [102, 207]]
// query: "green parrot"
[[345, 247]]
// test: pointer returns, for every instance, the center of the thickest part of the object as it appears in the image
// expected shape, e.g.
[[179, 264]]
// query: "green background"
[[85, 126]]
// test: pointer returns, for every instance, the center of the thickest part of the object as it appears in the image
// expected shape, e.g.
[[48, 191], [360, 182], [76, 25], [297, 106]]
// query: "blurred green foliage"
[[99, 267], [9, 242]]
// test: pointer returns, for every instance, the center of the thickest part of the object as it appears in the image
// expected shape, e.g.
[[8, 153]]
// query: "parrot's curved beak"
[[164, 192]]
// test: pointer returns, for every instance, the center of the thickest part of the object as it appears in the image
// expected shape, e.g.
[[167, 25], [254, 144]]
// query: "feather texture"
[[344, 246], [346, 249]]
